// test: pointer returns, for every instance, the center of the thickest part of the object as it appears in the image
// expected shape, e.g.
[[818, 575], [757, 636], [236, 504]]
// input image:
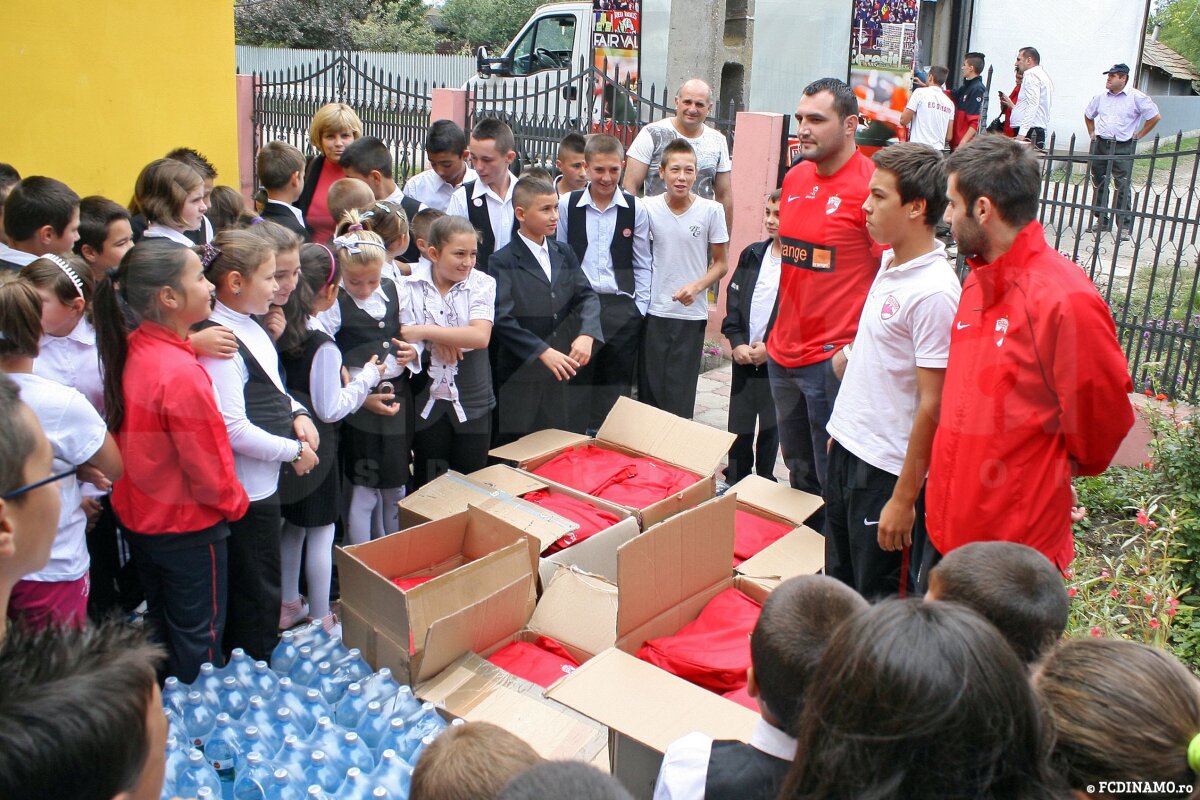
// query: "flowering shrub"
[[711, 349]]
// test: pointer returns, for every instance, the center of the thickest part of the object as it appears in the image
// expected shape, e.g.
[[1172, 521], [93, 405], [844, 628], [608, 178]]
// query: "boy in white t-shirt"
[[929, 114], [886, 413], [684, 229]]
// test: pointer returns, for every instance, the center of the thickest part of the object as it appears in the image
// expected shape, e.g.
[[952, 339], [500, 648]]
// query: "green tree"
[[1180, 21], [393, 25], [486, 22]]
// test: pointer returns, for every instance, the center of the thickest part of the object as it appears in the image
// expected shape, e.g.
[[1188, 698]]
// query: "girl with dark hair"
[[920, 700], [180, 489], [310, 503]]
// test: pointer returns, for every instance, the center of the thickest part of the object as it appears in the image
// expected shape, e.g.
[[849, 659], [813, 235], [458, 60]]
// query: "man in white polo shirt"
[[929, 115], [886, 412]]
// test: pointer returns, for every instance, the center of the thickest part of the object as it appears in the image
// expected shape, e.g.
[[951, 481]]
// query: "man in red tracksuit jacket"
[[1037, 385]]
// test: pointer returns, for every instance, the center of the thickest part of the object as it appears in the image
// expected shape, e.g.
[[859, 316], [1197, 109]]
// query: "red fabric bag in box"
[[713, 650], [542, 661], [633, 481], [751, 534], [591, 520], [404, 584]]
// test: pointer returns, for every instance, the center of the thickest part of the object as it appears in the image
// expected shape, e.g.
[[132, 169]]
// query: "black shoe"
[[1123, 236], [1096, 227]]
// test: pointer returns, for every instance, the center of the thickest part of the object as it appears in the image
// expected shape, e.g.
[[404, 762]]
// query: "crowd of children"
[[200, 411]]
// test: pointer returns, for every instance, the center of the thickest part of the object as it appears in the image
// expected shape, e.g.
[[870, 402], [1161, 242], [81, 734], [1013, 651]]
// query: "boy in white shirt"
[[684, 229], [488, 200], [929, 115], [886, 413]]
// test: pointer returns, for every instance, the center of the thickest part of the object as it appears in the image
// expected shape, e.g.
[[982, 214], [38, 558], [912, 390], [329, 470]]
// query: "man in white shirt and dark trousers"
[[751, 303], [1030, 117], [1116, 119], [610, 233]]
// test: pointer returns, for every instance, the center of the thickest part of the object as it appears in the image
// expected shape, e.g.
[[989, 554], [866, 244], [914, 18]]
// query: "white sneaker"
[[292, 613]]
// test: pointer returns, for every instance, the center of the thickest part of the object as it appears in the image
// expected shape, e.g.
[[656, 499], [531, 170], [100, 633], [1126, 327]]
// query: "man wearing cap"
[[1116, 119]]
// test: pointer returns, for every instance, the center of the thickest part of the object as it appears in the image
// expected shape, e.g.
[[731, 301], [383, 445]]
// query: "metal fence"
[[393, 108], [431, 68], [1144, 260]]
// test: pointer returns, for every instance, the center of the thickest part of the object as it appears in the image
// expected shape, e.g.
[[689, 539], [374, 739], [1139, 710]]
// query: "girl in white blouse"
[[67, 350], [170, 195]]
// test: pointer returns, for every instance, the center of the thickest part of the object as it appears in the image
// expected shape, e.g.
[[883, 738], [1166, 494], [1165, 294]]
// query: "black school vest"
[[298, 371], [482, 220], [361, 335], [737, 771], [411, 206], [266, 406], [621, 248]]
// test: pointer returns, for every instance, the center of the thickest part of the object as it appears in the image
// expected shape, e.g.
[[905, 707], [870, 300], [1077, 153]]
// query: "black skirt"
[[314, 499], [377, 450]]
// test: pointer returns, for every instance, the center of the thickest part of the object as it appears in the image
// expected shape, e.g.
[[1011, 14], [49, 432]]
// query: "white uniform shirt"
[[157, 231], [73, 360], [500, 209], [680, 246], [429, 188], [905, 324], [933, 110], [684, 771], [762, 302], [541, 252], [297, 213], [601, 228], [376, 306], [18, 257]]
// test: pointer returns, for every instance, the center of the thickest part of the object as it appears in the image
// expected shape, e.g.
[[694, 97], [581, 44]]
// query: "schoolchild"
[[9, 177], [609, 231], [208, 174], [369, 160], [422, 224], [180, 488], [41, 215], [446, 153], [267, 429], [571, 164], [454, 306], [170, 196], [105, 235], [387, 219], [281, 173], [690, 250], [347, 194], [310, 503], [286, 244], [488, 201]]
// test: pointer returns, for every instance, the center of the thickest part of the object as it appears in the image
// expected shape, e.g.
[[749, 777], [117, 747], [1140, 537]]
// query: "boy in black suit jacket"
[[750, 306], [281, 173], [547, 318]]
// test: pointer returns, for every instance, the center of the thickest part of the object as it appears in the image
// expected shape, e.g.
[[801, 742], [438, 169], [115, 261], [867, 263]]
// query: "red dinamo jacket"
[[1036, 390]]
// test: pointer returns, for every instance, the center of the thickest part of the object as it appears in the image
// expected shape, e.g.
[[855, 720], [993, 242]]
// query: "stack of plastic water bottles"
[[316, 723]]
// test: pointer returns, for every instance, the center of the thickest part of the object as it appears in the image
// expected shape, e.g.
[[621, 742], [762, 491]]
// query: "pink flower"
[[1072, 591], [1114, 593], [1096, 632], [1174, 601], [1142, 519], [1154, 623], [1171, 612], [1105, 574]]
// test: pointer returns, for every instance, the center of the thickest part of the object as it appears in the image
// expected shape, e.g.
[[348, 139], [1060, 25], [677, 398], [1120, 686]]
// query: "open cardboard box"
[[667, 576], [799, 552], [577, 610], [638, 429], [497, 490], [473, 554]]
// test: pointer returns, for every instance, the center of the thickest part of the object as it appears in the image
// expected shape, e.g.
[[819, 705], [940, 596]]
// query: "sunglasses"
[[25, 489]]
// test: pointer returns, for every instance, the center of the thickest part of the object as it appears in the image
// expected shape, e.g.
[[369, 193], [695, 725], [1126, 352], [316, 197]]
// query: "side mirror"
[[486, 65]]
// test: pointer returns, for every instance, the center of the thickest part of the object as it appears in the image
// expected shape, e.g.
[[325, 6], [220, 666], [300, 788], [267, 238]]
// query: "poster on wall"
[[616, 43], [883, 47]]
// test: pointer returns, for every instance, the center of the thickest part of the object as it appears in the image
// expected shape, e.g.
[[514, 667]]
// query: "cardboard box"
[[497, 490], [640, 430], [474, 556], [799, 552]]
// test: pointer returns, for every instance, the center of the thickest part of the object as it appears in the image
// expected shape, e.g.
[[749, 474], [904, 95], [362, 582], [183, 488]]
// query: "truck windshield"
[[547, 44]]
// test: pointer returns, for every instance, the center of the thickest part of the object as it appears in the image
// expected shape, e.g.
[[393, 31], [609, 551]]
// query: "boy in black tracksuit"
[[751, 304]]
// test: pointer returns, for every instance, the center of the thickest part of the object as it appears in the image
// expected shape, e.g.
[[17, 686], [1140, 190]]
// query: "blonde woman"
[[334, 126]]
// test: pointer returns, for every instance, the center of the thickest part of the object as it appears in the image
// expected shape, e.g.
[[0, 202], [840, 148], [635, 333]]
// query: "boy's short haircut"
[[366, 155], [423, 220], [18, 437], [775, 196], [603, 144], [976, 60], [573, 142], [573, 779], [446, 136], [470, 762], [277, 162], [538, 173], [347, 194], [496, 130], [1001, 169], [938, 74], [798, 618], [73, 711], [1013, 586], [38, 201], [527, 189], [195, 160], [282, 239], [920, 173], [677, 147], [9, 177], [96, 213]]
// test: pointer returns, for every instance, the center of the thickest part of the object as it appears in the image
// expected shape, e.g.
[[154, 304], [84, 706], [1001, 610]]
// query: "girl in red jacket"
[[180, 490]]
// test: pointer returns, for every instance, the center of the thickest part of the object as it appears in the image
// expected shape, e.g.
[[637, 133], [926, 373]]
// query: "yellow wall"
[[93, 90]]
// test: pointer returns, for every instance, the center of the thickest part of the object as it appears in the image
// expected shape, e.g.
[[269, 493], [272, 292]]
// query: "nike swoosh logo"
[[962, 325], [792, 197], [868, 522]]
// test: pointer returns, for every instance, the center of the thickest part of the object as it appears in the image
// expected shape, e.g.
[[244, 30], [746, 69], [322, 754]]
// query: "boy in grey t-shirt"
[[684, 229]]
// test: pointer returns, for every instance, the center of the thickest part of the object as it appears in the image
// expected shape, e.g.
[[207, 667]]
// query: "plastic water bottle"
[[327, 737], [357, 786], [373, 725], [293, 757], [252, 741], [222, 751], [315, 792], [263, 681], [205, 793], [316, 703], [174, 694], [330, 650], [177, 752], [356, 753], [254, 778], [196, 773], [426, 722], [208, 683], [261, 714], [313, 634], [292, 697], [393, 774], [283, 787], [380, 686], [304, 671], [284, 655], [402, 704], [420, 748], [331, 685], [392, 737], [233, 697], [240, 668], [285, 725], [354, 665], [198, 719], [323, 772], [351, 707]]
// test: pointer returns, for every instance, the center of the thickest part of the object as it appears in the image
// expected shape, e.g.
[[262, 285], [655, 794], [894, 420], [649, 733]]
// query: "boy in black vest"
[[488, 201], [281, 172], [571, 162], [797, 620], [368, 159], [547, 318], [750, 308], [610, 233]]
